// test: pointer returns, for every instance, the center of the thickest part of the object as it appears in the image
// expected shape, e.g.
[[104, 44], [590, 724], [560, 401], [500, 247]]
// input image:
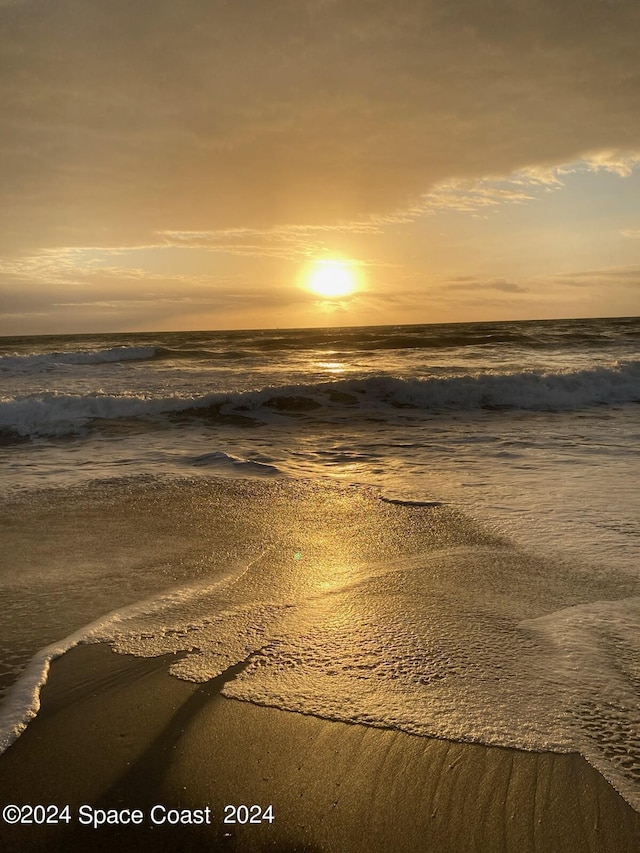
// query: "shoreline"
[[118, 732]]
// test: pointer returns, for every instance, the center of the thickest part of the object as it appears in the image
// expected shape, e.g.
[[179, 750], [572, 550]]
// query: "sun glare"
[[332, 279]]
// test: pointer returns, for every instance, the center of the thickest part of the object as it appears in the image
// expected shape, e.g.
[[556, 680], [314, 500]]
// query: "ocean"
[[206, 495]]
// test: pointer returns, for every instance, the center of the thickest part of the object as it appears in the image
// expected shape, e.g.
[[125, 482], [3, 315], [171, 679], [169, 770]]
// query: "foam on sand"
[[392, 615]]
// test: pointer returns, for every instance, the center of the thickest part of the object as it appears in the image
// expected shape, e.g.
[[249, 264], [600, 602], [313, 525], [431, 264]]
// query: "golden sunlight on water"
[[334, 367]]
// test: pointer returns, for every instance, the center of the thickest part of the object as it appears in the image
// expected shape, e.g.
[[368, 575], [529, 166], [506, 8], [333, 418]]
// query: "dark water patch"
[[402, 502], [10, 436], [214, 414], [341, 397], [293, 404], [188, 354]]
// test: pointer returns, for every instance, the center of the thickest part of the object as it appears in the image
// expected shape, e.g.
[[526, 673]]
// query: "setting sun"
[[332, 279]]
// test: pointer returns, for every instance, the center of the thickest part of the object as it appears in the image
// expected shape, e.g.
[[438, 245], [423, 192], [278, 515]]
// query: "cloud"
[[479, 196], [295, 243], [627, 275], [620, 163], [123, 120], [80, 286], [470, 283]]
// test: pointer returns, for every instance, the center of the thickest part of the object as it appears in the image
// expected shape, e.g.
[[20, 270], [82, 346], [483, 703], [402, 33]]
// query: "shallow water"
[[199, 485], [344, 606]]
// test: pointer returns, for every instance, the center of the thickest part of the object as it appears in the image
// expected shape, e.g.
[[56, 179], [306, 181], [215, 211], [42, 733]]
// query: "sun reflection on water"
[[334, 367]]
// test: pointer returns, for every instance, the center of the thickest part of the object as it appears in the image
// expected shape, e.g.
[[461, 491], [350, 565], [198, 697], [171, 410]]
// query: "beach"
[[116, 732], [381, 612]]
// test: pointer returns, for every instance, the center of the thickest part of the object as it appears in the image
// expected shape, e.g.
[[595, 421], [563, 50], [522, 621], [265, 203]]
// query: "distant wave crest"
[[39, 361]]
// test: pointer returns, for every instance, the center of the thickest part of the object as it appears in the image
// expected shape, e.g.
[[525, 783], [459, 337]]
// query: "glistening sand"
[[117, 731]]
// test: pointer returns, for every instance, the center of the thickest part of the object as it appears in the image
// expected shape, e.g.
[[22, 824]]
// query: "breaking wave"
[[54, 413]]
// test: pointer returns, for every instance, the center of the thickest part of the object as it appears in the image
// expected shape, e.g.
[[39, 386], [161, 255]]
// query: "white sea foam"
[[596, 660], [419, 646], [22, 702], [468, 643]]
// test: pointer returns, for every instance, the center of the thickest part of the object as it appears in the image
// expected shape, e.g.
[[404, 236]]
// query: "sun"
[[332, 279]]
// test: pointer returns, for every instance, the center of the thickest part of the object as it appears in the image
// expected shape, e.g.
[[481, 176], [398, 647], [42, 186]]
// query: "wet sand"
[[117, 732]]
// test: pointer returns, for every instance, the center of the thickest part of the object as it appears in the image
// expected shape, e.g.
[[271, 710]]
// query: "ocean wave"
[[54, 413], [200, 354], [231, 346], [39, 361], [525, 335], [44, 361], [227, 463]]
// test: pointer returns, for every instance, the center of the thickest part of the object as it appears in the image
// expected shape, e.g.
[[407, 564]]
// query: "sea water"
[[525, 635]]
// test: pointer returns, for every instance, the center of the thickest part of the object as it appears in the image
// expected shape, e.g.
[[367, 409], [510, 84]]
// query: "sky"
[[182, 165]]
